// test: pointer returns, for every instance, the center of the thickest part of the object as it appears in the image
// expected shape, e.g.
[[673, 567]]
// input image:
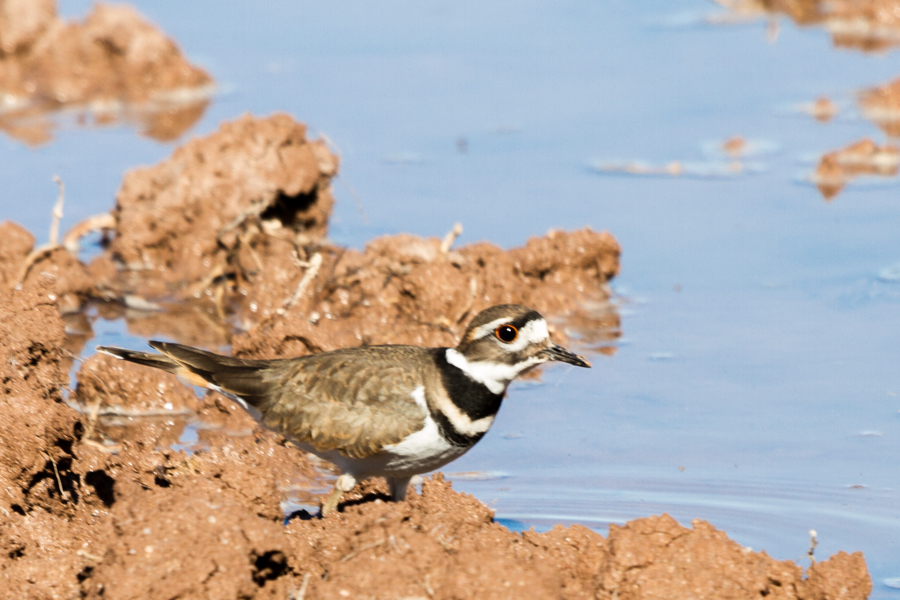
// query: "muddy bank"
[[127, 523], [114, 66], [149, 491], [80, 519], [407, 290], [181, 225], [868, 25]]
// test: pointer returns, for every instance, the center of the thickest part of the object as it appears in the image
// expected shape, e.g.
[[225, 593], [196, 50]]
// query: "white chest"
[[423, 451]]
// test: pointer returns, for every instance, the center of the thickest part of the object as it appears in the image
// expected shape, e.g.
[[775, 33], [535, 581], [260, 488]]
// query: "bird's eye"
[[506, 333]]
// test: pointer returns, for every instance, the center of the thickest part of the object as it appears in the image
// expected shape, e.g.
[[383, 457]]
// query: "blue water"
[[756, 384]]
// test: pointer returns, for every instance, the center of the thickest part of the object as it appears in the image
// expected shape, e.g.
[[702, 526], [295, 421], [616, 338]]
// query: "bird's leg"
[[344, 483], [399, 485]]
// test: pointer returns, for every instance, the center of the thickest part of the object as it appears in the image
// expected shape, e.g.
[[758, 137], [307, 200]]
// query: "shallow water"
[[756, 384]]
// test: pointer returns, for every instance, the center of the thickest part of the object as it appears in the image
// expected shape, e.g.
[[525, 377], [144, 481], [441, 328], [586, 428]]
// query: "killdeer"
[[391, 411]]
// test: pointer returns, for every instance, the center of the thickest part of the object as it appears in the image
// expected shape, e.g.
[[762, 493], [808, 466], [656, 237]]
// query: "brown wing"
[[355, 401]]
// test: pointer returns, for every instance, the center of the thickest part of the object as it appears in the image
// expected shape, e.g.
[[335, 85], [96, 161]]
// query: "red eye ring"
[[506, 333]]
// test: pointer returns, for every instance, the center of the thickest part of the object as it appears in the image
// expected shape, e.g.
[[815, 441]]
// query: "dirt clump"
[[863, 158], [881, 105], [37, 435], [114, 66], [230, 233], [407, 290], [179, 224], [85, 518], [822, 109], [442, 544], [868, 25]]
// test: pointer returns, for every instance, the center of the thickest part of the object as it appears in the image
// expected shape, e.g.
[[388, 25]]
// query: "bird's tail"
[[248, 380]]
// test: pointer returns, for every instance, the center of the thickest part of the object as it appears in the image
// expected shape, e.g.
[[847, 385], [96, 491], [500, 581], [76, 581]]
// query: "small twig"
[[72, 239], [118, 411], [813, 542], [89, 556], [253, 212], [427, 585], [44, 249], [301, 593], [33, 257], [314, 264], [362, 549], [451, 236], [57, 211], [62, 492]]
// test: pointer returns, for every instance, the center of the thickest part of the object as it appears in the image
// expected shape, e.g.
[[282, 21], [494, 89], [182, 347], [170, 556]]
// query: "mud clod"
[[181, 225], [863, 158], [114, 66], [403, 290], [881, 105], [867, 25]]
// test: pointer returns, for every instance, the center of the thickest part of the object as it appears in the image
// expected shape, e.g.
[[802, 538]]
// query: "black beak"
[[557, 352]]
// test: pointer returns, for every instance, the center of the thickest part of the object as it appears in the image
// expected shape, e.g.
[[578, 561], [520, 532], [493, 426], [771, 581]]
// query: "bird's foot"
[[343, 484]]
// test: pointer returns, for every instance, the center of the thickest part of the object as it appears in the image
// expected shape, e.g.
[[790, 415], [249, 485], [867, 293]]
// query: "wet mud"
[[112, 67], [881, 105], [132, 486], [867, 25], [864, 158]]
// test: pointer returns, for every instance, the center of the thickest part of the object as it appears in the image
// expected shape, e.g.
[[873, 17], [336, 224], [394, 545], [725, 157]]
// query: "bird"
[[392, 411]]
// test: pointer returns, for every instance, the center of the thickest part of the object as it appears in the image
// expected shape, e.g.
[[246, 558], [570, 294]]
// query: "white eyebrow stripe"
[[534, 332], [488, 328]]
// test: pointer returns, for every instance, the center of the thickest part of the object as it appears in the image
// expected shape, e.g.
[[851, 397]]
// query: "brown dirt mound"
[[865, 157], [37, 433], [114, 59], [82, 518], [442, 544], [179, 224], [868, 25], [881, 105], [405, 290]]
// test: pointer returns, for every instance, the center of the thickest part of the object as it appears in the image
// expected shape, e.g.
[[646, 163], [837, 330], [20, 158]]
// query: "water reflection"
[[862, 159], [867, 25], [162, 120], [112, 68], [881, 105]]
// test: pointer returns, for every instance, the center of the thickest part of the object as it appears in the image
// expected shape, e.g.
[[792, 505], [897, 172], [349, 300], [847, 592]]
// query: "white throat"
[[495, 376]]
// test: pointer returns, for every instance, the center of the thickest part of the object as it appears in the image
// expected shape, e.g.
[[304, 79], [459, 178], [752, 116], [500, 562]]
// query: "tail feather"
[[247, 379], [158, 361]]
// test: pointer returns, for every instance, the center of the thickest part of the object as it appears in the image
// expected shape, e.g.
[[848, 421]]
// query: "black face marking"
[[472, 398], [523, 320]]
